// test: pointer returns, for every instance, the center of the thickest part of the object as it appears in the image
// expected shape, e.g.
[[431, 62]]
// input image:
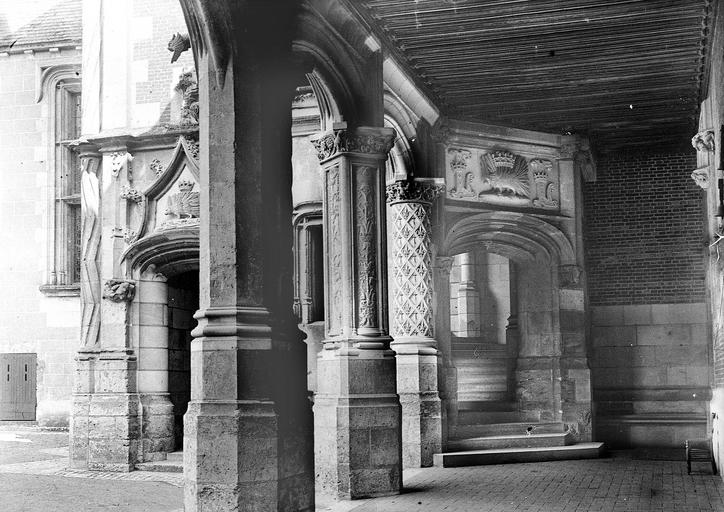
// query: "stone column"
[[468, 298], [247, 431], [356, 408], [412, 322], [448, 373], [151, 318]]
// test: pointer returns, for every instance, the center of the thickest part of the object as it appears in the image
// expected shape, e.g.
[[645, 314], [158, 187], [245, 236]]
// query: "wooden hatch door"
[[17, 386]]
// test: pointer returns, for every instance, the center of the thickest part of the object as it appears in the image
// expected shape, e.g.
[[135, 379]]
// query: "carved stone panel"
[[90, 291], [501, 177], [366, 248], [333, 237]]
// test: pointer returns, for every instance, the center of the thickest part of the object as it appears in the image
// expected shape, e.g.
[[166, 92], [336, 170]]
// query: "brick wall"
[[32, 322], [644, 234], [645, 255], [153, 24]]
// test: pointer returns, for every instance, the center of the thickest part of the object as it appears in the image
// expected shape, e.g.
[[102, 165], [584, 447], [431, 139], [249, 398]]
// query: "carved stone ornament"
[[569, 276], [370, 141], [544, 187], [189, 90], [119, 160], [462, 186], [506, 173], [704, 141], [157, 167], [192, 146], [185, 204], [91, 229], [413, 191], [367, 268], [178, 44], [701, 177], [131, 194], [119, 290]]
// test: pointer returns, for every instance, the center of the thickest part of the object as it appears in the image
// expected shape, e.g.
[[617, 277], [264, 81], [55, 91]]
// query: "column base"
[[157, 426], [113, 431], [576, 397], [238, 456], [357, 422], [421, 405]]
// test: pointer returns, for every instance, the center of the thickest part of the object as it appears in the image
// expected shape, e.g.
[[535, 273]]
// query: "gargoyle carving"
[[119, 290]]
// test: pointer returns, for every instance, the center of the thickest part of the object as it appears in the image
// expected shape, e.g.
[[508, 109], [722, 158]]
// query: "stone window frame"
[[59, 88]]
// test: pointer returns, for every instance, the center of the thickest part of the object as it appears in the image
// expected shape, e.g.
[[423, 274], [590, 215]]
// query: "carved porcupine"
[[507, 173]]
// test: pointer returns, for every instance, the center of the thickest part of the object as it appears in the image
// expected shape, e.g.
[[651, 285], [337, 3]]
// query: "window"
[[63, 94]]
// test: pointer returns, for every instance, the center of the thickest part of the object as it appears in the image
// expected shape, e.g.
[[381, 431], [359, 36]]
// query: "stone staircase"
[[483, 370], [496, 433], [174, 463]]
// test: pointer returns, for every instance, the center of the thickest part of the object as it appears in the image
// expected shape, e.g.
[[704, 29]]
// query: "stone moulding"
[[701, 177], [119, 290], [372, 141]]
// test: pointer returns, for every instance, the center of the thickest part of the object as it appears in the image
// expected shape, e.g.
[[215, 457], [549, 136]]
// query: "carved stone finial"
[[701, 177], [178, 44], [190, 90], [703, 141], [413, 191], [119, 290]]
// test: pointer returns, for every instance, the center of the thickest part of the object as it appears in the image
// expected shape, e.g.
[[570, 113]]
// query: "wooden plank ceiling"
[[627, 73]]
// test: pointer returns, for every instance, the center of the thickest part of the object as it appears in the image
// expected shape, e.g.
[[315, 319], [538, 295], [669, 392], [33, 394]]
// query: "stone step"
[[502, 429], [178, 456], [162, 466], [511, 455], [512, 441], [488, 417], [489, 394], [485, 406]]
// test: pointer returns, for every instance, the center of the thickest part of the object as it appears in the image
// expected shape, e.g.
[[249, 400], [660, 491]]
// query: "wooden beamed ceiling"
[[627, 73]]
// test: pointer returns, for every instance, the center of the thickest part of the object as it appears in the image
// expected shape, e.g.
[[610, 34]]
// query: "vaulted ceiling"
[[624, 72]]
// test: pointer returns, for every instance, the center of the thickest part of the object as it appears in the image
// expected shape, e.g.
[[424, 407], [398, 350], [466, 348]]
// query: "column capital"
[[423, 191], [371, 141]]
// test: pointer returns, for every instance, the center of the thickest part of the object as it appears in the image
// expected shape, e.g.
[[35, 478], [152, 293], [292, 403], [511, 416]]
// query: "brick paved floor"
[[617, 484], [34, 477]]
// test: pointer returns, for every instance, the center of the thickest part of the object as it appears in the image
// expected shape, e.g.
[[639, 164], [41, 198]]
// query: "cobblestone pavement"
[[34, 477]]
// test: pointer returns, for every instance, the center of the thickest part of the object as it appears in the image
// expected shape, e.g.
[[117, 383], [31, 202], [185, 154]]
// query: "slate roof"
[[58, 26]]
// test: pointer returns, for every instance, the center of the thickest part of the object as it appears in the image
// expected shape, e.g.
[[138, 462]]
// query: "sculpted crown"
[[503, 159], [540, 168], [459, 161], [186, 185]]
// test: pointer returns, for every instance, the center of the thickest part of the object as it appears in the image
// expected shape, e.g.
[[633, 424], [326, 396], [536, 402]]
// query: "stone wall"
[[646, 282], [32, 321]]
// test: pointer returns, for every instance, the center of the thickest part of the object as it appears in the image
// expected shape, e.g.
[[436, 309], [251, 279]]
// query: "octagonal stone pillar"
[[356, 408], [411, 320]]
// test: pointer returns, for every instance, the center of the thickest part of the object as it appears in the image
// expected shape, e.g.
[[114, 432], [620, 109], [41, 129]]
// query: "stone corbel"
[[582, 155], [704, 141], [119, 290], [701, 177]]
